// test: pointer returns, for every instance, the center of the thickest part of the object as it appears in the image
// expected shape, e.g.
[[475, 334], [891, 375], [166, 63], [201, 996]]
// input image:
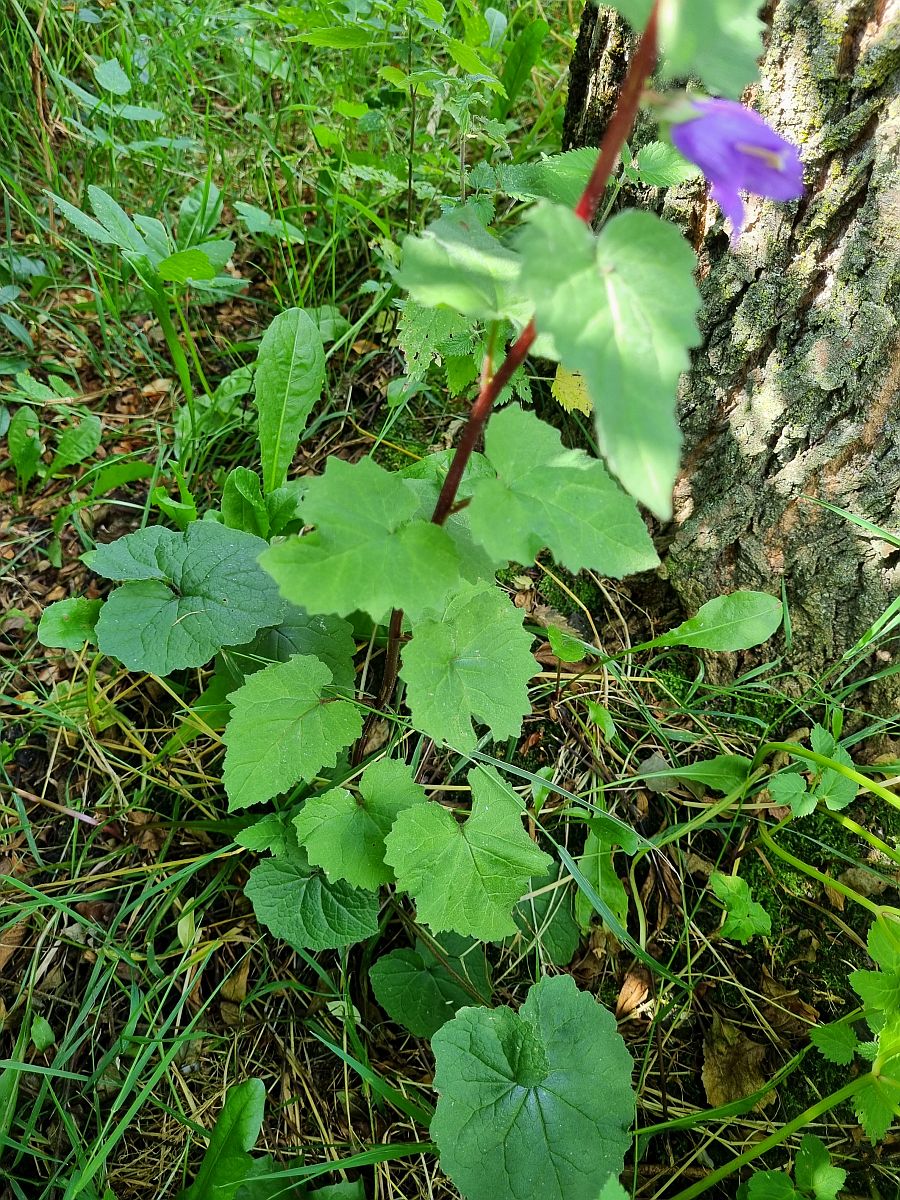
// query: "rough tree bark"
[[795, 391]]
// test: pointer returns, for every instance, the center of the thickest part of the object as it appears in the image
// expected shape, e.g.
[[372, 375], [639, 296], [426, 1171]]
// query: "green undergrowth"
[[161, 962]]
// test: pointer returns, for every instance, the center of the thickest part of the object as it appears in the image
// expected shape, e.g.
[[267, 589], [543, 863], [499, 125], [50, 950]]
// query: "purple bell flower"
[[738, 152]]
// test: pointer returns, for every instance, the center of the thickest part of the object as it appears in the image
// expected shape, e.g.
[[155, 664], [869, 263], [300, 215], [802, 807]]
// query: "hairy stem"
[[492, 385], [614, 138]]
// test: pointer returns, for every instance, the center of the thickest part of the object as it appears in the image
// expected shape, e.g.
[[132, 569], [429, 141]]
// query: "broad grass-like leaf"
[[116, 220], [717, 41], [185, 595], [620, 309], [290, 371], [368, 553], [227, 1164], [734, 622], [68, 624], [23, 437], [597, 865], [299, 905], [243, 504], [77, 443], [723, 773], [286, 725], [91, 229], [546, 920], [523, 55], [470, 661], [546, 495], [536, 1103], [344, 834], [466, 877]]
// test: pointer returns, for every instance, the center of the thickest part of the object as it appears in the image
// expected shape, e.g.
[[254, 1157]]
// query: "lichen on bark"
[[794, 394]]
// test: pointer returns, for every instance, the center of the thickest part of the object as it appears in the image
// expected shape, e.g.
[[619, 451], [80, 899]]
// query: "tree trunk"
[[795, 391]]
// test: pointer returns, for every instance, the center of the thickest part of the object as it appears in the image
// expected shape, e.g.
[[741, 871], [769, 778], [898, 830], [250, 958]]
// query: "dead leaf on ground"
[[233, 992], [143, 832], [633, 992], [11, 939], [865, 881], [732, 1065], [788, 1014]]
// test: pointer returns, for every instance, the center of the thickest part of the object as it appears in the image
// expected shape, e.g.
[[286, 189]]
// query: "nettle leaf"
[[186, 595], [274, 832], [534, 1103], [367, 552], [836, 1043], [470, 661], [68, 624], [878, 990], [290, 372], [745, 917], [466, 876], [328, 638], [344, 834], [620, 309], [659, 164], [737, 621], [878, 1102], [546, 495], [883, 941], [457, 263], [718, 41], [421, 991], [299, 905], [423, 334], [286, 724], [559, 177], [813, 1170]]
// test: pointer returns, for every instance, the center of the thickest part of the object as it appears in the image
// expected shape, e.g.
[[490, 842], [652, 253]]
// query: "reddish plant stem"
[[620, 125], [614, 138]]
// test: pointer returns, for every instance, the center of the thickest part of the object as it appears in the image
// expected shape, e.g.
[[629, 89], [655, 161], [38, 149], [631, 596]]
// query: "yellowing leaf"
[[570, 392]]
